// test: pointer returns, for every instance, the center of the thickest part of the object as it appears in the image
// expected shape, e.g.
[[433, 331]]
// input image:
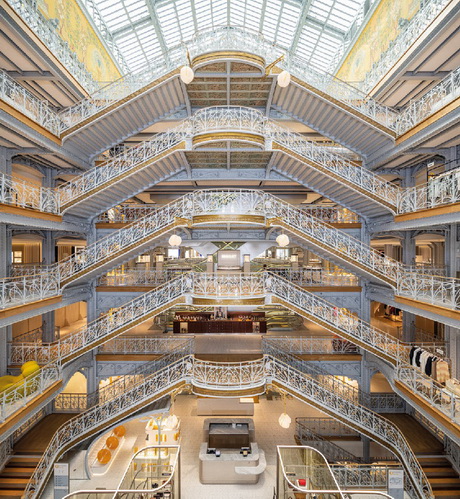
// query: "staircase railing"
[[102, 328], [316, 277], [330, 450], [438, 192], [189, 369], [441, 291], [21, 99], [22, 392], [355, 415]]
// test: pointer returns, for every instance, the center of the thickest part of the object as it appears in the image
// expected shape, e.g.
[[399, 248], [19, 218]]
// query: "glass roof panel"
[[144, 29]]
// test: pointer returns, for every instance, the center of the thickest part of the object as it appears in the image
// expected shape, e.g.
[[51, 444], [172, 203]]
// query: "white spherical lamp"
[[175, 240], [284, 420], [186, 74], [283, 80], [171, 422], [282, 240]]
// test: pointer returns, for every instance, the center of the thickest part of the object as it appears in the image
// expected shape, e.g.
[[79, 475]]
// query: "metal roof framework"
[[145, 29]]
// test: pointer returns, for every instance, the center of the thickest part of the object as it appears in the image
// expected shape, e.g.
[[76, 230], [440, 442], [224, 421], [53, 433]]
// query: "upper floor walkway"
[[323, 102]]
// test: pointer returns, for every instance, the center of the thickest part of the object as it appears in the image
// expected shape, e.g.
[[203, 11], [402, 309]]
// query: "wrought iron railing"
[[135, 277], [434, 393], [17, 192], [357, 416], [316, 277], [127, 213], [330, 450], [438, 290], [443, 291], [46, 32], [363, 476], [313, 345], [104, 327], [18, 290], [218, 118], [22, 392], [143, 344], [329, 427], [22, 269], [21, 99], [331, 214], [418, 24], [253, 373], [441, 190]]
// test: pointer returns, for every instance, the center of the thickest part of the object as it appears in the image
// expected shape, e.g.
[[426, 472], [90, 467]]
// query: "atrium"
[[229, 249]]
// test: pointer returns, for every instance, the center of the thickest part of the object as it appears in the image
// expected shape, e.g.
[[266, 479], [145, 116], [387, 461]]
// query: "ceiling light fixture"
[[283, 79], [175, 240], [282, 240], [186, 72]]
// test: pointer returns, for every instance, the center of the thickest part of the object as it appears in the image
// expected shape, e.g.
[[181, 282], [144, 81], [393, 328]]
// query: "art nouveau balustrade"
[[216, 119], [412, 379], [217, 286], [439, 192], [129, 213], [227, 203], [145, 345], [316, 277], [105, 327], [377, 402], [50, 36], [224, 377], [219, 39], [17, 396], [21, 99], [428, 11]]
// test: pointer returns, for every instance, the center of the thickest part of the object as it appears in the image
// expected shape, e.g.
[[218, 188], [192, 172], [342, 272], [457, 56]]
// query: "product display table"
[[231, 467]]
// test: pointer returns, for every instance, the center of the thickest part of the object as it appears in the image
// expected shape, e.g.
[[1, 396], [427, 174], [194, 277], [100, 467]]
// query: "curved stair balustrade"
[[234, 376], [106, 327], [354, 415], [315, 163], [152, 387], [331, 451], [17, 396], [225, 205]]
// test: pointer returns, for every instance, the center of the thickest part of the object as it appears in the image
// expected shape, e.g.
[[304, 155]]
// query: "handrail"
[[220, 38], [51, 38], [190, 369], [443, 190], [439, 290], [427, 13], [23, 391]]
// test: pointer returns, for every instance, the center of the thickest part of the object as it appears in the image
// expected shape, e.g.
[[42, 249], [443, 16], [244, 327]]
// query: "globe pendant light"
[[283, 80], [284, 420], [175, 240], [186, 74], [171, 421], [282, 240]]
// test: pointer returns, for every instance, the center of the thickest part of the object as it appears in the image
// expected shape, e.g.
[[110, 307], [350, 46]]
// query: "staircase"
[[444, 480], [223, 379], [16, 475]]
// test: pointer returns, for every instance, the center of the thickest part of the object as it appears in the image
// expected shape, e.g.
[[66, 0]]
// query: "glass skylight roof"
[[145, 29]]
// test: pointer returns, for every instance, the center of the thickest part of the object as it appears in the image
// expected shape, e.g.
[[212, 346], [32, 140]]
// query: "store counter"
[[231, 467]]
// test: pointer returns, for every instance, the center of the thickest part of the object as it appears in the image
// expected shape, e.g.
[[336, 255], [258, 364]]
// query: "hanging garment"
[[417, 357], [442, 371], [411, 355], [423, 358], [429, 365]]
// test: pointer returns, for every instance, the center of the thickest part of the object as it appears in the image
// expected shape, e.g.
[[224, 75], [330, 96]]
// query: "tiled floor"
[[268, 435]]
